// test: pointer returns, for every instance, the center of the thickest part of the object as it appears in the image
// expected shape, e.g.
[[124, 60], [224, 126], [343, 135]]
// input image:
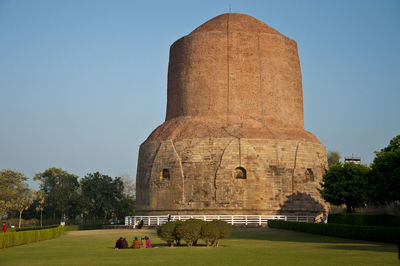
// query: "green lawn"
[[253, 246]]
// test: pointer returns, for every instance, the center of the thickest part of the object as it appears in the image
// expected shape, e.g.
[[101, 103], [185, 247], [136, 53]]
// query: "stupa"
[[233, 141]]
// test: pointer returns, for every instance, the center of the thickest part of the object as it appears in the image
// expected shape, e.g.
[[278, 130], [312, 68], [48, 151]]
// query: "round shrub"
[[167, 232], [177, 237], [224, 229], [189, 231], [209, 233]]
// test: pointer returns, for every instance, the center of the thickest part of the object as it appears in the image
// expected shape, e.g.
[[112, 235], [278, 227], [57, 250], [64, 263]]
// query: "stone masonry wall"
[[191, 176]]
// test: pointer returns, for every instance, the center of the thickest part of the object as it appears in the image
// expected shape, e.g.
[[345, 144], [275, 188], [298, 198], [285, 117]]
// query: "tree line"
[[62, 197], [357, 185]]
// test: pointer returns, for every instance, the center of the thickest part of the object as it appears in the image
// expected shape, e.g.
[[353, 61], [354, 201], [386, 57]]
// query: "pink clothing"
[[148, 243], [4, 228]]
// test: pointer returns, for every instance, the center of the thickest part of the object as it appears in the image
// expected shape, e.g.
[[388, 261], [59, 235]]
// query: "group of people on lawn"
[[144, 243]]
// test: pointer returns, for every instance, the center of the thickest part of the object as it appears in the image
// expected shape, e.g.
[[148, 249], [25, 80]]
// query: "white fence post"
[[240, 219]]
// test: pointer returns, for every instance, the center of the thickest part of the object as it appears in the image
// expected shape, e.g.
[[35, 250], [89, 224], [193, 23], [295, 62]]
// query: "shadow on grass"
[[371, 247], [279, 235], [164, 245]]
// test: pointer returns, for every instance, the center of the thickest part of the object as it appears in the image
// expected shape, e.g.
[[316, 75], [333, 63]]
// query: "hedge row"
[[370, 233], [83, 227], [192, 230], [11, 239], [31, 228], [365, 219]]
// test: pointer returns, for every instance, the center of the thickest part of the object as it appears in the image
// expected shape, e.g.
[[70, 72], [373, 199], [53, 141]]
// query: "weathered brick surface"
[[234, 100], [202, 176]]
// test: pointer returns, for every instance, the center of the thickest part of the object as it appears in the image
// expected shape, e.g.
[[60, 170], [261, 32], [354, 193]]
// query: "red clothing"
[[4, 228], [148, 243]]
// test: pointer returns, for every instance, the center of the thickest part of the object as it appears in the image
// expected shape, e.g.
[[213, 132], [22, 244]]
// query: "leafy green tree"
[[333, 157], [60, 189], [38, 197], [21, 203], [12, 186], [101, 196], [384, 180], [345, 184]]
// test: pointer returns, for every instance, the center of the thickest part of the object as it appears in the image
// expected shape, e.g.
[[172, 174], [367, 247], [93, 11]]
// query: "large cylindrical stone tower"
[[233, 141]]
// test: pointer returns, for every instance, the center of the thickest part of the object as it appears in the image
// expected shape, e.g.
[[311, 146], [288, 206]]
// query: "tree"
[[12, 184], [128, 203], [129, 185], [345, 184], [333, 157], [38, 197], [60, 188], [21, 203], [384, 179], [101, 196]]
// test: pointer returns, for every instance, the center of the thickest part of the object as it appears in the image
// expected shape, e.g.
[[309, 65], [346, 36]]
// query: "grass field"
[[252, 246]]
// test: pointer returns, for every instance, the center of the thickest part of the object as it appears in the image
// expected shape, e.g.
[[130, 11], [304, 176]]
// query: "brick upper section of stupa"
[[235, 22], [234, 76]]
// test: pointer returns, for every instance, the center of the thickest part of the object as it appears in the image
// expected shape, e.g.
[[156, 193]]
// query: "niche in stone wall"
[[240, 173], [164, 174], [309, 175]]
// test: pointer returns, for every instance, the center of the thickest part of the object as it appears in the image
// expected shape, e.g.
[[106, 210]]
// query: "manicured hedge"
[[11, 239], [370, 233], [31, 228], [83, 227], [365, 219]]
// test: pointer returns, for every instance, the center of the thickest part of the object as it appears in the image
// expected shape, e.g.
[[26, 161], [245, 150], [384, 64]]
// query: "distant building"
[[352, 159]]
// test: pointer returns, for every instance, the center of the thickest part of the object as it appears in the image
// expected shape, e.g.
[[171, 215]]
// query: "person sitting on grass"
[[136, 243], [143, 242], [124, 243], [148, 243], [118, 244]]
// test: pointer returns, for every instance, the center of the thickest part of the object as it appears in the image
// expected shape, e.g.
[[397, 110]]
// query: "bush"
[[36, 228], [224, 229], [189, 231], [167, 232], [369, 233], [83, 227], [11, 239], [364, 219], [210, 233], [177, 238]]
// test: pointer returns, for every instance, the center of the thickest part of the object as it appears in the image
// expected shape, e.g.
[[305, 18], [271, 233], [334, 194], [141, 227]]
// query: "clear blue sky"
[[83, 83]]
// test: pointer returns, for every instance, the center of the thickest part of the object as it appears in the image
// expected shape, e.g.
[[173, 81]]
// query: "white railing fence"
[[231, 219]]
